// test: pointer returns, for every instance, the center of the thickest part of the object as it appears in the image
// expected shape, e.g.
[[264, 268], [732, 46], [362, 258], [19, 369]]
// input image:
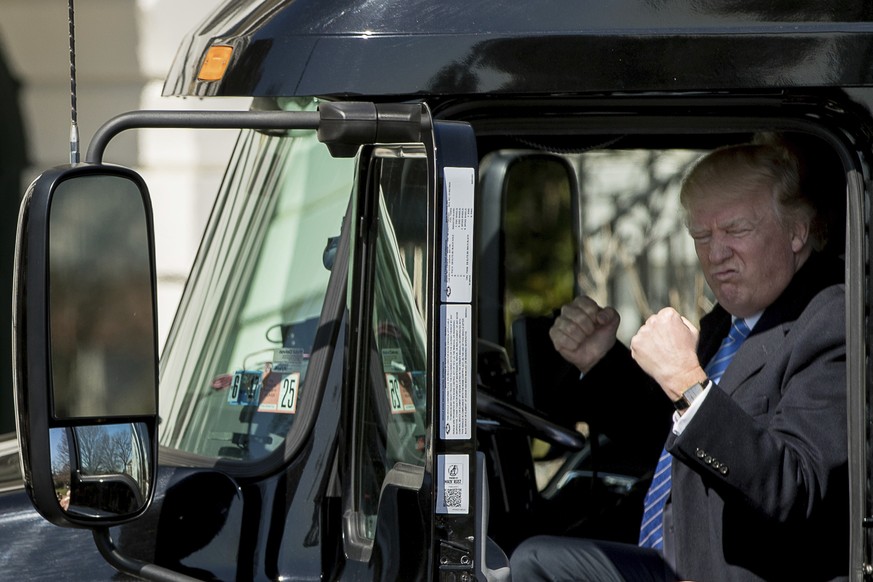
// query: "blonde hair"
[[741, 168]]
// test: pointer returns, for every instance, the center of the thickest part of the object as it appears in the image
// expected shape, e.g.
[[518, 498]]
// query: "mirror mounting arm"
[[342, 126], [132, 566], [277, 120]]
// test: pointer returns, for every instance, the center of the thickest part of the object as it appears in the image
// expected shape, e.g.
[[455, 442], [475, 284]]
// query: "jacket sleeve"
[[787, 450], [621, 401]]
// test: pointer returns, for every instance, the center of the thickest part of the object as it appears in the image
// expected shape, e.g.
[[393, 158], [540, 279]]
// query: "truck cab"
[[359, 382]]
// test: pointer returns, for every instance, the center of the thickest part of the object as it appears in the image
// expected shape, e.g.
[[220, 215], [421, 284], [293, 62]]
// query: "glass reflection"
[[101, 470], [101, 300]]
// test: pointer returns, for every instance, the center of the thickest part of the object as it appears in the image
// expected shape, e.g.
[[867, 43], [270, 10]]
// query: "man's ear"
[[799, 235]]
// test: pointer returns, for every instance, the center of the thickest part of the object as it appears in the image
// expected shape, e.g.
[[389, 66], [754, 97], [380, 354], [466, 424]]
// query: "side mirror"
[[85, 345]]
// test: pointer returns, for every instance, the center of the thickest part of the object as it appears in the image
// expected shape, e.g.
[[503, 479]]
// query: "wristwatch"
[[691, 394]]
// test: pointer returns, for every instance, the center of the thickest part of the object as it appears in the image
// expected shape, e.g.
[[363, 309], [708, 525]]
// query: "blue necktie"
[[652, 527]]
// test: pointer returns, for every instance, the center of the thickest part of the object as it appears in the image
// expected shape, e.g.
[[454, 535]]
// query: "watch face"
[[690, 395]]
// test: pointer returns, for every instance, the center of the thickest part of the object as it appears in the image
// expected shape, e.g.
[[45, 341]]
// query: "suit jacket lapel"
[[755, 352], [714, 326]]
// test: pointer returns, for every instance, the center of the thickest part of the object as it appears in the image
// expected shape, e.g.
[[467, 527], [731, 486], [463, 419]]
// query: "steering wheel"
[[527, 419]]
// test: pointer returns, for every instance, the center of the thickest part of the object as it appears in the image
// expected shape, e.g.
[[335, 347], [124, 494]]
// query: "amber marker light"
[[215, 63]]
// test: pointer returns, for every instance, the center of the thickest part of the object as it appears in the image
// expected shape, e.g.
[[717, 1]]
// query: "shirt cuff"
[[680, 421]]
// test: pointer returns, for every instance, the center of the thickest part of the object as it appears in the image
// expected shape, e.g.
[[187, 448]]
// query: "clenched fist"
[[584, 332], [665, 347]]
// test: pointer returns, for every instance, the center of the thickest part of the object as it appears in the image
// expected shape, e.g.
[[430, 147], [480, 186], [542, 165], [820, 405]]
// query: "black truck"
[[359, 383]]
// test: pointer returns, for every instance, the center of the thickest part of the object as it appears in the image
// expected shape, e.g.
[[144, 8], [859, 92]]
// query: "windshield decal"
[[282, 381], [398, 381], [245, 388]]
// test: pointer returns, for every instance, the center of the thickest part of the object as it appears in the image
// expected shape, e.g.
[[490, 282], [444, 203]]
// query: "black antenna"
[[74, 121]]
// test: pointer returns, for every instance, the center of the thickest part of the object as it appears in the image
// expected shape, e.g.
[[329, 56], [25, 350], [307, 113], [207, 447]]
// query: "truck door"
[[397, 452], [410, 460]]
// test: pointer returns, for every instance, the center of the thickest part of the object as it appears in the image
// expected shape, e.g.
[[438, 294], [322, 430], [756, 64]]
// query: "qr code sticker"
[[453, 472], [454, 498]]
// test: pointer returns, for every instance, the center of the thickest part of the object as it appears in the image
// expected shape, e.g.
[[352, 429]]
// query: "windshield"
[[236, 360]]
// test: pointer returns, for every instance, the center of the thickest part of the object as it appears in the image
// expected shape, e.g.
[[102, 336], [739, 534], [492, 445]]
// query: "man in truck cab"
[[752, 480]]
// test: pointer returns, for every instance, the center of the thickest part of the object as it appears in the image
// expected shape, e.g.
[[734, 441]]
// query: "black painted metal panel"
[[422, 48]]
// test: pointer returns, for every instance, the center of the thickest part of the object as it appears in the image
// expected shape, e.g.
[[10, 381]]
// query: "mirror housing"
[[85, 345]]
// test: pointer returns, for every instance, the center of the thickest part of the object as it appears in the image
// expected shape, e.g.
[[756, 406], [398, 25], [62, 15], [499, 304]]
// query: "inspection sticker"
[[455, 372], [458, 235], [282, 381], [453, 484], [398, 381], [244, 388]]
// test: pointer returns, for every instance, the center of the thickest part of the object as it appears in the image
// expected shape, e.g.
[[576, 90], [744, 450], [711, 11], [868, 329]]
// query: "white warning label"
[[458, 235], [453, 484], [455, 373]]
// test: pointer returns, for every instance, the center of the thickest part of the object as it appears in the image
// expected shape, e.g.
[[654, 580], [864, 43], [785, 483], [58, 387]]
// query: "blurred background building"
[[124, 48]]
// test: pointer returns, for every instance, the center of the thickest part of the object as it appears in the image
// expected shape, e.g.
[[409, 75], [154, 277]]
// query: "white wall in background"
[[123, 51]]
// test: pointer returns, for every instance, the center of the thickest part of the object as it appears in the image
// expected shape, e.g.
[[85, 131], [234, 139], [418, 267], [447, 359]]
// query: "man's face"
[[748, 257]]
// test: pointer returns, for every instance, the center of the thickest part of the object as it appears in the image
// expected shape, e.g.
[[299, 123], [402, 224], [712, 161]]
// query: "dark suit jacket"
[[760, 482]]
